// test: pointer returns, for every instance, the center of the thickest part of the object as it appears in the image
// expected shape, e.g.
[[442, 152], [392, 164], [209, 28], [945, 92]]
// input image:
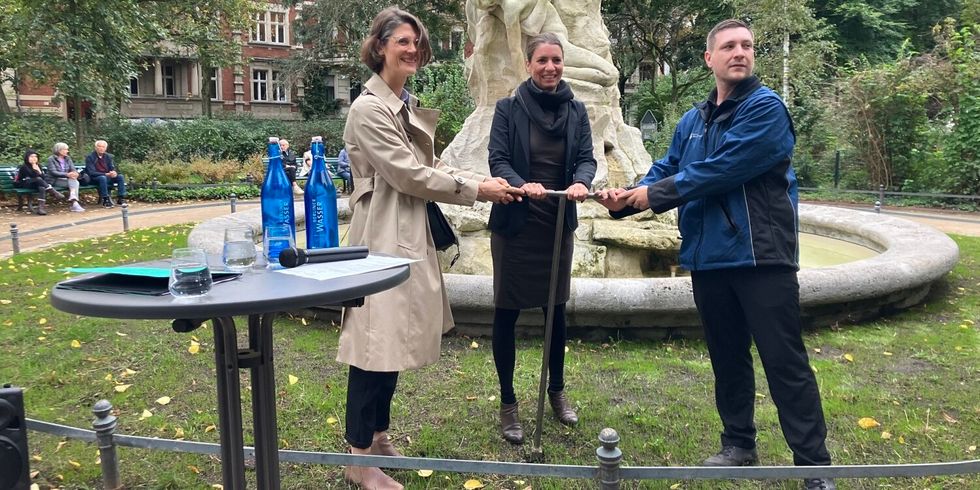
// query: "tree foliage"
[[442, 86]]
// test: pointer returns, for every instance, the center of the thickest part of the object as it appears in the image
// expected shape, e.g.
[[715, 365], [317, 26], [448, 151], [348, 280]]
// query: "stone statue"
[[499, 30]]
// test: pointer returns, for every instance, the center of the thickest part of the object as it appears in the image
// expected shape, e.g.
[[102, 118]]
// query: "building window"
[[260, 85], [269, 86], [270, 27], [279, 89], [215, 86], [134, 86], [169, 82]]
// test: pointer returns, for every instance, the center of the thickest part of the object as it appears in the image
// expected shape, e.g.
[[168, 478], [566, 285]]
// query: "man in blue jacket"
[[729, 173], [102, 170]]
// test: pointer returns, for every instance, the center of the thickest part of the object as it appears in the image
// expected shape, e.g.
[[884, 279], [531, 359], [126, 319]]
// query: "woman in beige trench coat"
[[389, 142]]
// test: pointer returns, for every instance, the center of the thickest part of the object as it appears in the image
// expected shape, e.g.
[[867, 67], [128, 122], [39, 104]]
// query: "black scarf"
[[547, 110]]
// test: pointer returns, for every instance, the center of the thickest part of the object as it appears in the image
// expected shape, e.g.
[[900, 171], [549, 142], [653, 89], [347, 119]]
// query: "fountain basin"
[[911, 258]]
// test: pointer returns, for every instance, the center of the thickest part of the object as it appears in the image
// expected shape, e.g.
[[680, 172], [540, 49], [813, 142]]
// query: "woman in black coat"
[[540, 140], [30, 176]]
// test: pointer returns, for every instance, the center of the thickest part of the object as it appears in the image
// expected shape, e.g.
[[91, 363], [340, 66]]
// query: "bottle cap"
[[317, 139], [273, 139]]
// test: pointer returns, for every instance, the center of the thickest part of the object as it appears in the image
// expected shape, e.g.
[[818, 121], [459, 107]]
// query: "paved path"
[[61, 226]]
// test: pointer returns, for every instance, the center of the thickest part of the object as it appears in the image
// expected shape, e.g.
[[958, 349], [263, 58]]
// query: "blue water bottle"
[[321, 202], [277, 205]]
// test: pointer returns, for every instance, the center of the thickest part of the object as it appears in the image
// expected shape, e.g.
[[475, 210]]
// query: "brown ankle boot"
[[510, 426], [382, 446], [41, 210], [562, 408]]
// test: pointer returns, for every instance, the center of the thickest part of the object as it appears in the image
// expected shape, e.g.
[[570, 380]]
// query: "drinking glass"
[[189, 273], [239, 251], [274, 240]]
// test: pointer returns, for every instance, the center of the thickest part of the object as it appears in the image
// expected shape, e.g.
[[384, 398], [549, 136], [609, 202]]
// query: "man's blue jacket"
[[729, 171]]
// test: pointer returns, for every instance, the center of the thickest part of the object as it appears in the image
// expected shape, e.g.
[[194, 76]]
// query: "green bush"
[[147, 194], [36, 132]]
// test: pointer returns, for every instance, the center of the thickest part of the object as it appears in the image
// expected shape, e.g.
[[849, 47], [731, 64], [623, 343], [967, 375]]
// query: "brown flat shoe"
[[510, 427], [562, 408], [382, 446], [370, 478]]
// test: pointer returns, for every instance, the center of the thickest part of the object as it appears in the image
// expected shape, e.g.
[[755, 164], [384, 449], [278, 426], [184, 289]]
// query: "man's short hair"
[[721, 26], [104, 142]]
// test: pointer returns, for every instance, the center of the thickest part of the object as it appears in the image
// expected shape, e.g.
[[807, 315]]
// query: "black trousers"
[[505, 351], [762, 304], [368, 404]]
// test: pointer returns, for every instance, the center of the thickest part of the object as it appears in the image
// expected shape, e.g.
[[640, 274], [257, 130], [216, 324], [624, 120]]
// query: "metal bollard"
[[881, 195], [125, 216], [610, 458], [154, 184], [105, 425], [15, 238], [878, 207], [234, 202]]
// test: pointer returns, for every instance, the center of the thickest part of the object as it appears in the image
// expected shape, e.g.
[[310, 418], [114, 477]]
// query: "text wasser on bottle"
[[277, 204], [320, 200]]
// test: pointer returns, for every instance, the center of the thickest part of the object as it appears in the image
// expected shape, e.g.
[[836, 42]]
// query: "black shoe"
[[733, 456], [106, 202], [820, 484], [120, 200]]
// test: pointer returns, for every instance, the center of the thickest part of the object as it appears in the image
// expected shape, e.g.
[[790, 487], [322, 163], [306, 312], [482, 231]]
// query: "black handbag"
[[443, 235]]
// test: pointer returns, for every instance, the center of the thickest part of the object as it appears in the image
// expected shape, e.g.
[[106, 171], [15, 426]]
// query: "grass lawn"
[[916, 374]]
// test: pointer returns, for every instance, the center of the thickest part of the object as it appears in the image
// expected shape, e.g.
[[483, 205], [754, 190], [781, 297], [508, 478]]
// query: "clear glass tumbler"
[[189, 273], [275, 239], [238, 253]]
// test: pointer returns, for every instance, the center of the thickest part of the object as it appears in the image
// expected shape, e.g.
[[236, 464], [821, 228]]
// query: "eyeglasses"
[[405, 41]]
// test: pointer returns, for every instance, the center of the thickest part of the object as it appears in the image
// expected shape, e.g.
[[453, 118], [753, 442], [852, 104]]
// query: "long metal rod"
[[536, 451], [527, 469], [551, 193]]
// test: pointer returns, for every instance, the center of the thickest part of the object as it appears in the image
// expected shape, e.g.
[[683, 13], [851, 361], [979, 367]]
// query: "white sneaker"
[[76, 208]]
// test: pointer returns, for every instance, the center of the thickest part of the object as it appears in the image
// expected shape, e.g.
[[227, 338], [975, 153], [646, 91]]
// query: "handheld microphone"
[[293, 257]]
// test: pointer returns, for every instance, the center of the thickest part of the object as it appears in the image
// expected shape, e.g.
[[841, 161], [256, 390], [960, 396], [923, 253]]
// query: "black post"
[[105, 425], [15, 238], [234, 202], [836, 169], [881, 194], [610, 458], [125, 217]]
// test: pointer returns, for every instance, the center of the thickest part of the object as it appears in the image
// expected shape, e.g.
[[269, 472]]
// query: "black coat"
[[92, 158], [510, 159]]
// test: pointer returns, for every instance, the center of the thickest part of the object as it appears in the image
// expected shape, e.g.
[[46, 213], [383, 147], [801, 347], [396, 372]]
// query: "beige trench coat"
[[395, 171]]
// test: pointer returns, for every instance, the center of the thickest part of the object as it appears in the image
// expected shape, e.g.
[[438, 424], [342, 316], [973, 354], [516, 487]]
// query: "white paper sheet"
[[343, 268]]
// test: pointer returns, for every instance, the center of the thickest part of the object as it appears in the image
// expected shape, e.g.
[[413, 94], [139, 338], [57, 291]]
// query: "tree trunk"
[[205, 73], [79, 127]]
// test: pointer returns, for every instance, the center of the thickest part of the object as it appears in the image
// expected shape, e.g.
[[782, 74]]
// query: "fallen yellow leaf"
[[5, 301], [130, 371], [331, 420], [971, 449], [108, 377], [470, 398], [886, 353], [163, 400], [146, 414], [676, 486], [194, 348], [122, 334], [472, 484], [849, 357], [567, 349], [886, 435], [75, 464], [34, 486], [424, 473], [76, 344], [179, 433], [209, 428], [293, 379], [218, 486], [867, 423], [42, 321], [121, 388], [194, 469], [901, 439], [303, 320], [474, 345], [60, 445]]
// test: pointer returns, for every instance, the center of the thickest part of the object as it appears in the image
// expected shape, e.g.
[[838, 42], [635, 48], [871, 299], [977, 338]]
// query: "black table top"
[[255, 292]]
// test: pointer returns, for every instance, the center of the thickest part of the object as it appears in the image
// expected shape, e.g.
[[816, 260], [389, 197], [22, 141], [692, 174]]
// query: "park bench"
[[331, 163], [29, 196]]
